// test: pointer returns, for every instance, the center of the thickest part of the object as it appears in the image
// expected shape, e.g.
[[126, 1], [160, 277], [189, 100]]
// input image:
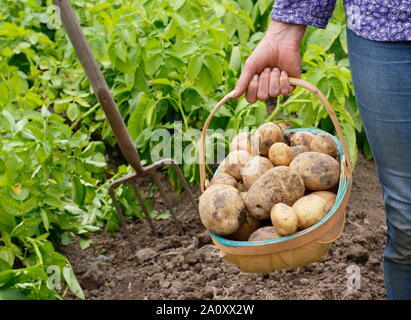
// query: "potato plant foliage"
[[164, 61]]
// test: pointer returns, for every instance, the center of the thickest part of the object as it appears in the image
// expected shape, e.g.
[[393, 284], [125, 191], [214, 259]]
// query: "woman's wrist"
[[288, 32]]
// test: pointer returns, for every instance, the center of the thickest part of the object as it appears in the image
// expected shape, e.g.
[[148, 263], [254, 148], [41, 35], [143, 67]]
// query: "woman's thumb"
[[243, 81]]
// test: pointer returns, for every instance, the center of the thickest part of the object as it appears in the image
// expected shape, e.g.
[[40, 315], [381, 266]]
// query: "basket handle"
[[293, 81]]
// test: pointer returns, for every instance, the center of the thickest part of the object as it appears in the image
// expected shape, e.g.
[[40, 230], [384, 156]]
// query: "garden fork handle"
[[98, 83]]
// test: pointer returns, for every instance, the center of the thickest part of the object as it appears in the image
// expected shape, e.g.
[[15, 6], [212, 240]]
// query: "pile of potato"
[[271, 184]]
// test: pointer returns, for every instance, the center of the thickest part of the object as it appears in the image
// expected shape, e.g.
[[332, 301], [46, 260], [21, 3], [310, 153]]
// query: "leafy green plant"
[[48, 180]]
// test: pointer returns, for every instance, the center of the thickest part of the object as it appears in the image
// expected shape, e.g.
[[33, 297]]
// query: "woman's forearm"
[[286, 32]]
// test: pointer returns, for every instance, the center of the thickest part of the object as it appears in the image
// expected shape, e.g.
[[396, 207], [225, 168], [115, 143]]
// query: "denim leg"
[[381, 73]]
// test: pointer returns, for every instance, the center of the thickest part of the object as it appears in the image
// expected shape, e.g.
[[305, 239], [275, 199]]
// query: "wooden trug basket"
[[303, 247]]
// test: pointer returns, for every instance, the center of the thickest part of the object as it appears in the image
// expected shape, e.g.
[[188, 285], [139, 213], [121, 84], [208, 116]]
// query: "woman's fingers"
[[284, 84], [274, 89], [270, 83], [264, 84], [252, 89], [245, 78]]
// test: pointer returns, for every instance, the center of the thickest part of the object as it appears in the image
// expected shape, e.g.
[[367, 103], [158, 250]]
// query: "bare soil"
[[133, 264]]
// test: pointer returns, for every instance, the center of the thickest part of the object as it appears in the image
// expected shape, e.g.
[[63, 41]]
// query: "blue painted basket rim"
[[342, 189]]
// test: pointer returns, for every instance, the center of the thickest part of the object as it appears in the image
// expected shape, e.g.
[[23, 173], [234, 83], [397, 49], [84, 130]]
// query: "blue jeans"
[[381, 73]]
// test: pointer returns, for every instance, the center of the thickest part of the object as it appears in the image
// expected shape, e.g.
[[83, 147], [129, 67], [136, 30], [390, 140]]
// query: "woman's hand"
[[265, 73]]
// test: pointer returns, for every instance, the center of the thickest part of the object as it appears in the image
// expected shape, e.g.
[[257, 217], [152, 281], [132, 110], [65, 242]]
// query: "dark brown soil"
[[135, 265]]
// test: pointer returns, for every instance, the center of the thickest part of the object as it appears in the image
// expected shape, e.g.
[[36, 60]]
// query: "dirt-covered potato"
[[249, 226], [280, 154], [296, 150], [319, 171], [241, 141], [309, 209], [302, 138], [324, 143], [234, 162], [222, 209], [254, 169], [264, 233], [264, 137], [328, 196], [284, 219], [224, 178], [279, 184]]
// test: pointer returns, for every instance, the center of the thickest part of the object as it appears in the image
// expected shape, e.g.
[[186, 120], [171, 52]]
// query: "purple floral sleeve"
[[379, 20], [311, 12]]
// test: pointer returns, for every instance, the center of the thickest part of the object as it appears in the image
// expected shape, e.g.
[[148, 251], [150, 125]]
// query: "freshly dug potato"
[[279, 184], [264, 233], [234, 162], [224, 178], [254, 169], [241, 141], [222, 209], [328, 196], [264, 137], [280, 154], [249, 226], [309, 209], [284, 219], [319, 171], [296, 150], [324, 143], [302, 138]]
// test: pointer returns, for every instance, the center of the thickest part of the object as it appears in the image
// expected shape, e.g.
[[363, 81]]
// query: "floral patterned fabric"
[[380, 20]]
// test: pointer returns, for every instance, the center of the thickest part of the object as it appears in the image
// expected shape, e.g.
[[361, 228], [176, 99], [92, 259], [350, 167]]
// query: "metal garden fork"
[[127, 147]]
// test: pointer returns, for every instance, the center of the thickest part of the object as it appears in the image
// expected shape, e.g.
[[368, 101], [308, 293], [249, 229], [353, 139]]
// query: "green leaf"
[[30, 204], [9, 120], [194, 67], [263, 5], [79, 191], [52, 201], [177, 4], [250, 120], [235, 60], [243, 30], [20, 192], [72, 282], [205, 83], [338, 89], [28, 227], [343, 39], [45, 219], [121, 51], [11, 294], [18, 85], [191, 99], [324, 38], [73, 209], [215, 66], [11, 206], [350, 138], [73, 111], [7, 256], [84, 244]]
